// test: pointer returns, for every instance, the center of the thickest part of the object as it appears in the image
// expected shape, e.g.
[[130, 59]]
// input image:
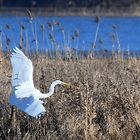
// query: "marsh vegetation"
[[103, 103]]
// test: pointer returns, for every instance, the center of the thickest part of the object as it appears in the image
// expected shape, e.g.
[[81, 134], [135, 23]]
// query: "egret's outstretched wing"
[[24, 95], [22, 75]]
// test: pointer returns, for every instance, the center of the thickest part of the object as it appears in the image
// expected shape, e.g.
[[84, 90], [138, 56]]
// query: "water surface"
[[74, 32]]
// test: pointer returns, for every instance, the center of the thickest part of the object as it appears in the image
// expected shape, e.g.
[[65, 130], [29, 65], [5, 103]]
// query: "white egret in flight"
[[24, 95]]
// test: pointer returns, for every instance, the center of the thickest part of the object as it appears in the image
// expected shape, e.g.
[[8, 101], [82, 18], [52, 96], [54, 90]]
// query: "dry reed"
[[103, 102]]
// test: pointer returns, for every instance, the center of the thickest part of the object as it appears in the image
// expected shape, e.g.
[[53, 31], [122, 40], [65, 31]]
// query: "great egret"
[[24, 95]]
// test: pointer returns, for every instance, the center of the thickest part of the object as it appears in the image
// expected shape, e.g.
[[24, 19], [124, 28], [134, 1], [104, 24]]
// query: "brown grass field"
[[103, 102]]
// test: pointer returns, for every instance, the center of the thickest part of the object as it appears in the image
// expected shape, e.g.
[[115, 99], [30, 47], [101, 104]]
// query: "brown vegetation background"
[[103, 102]]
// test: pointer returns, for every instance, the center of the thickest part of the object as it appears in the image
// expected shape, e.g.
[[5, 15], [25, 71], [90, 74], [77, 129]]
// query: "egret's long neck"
[[51, 90]]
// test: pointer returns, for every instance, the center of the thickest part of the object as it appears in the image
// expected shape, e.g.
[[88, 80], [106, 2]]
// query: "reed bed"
[[102, 103]]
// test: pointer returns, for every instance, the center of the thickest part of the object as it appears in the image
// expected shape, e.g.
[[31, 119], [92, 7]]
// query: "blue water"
[[127, 30]]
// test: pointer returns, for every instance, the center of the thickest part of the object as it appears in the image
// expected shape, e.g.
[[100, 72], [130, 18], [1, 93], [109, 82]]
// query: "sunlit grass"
[[103, 102]]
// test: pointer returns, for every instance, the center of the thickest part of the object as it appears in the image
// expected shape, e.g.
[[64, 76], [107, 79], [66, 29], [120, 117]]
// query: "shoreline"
[[70, 11]]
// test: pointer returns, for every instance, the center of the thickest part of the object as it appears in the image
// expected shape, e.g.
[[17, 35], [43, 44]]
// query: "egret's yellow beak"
[[67, 85]]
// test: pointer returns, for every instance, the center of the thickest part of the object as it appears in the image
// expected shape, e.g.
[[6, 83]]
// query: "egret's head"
[[58, 82]]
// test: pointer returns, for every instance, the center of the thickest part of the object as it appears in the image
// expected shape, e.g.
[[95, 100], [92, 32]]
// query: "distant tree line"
[[69, 3]]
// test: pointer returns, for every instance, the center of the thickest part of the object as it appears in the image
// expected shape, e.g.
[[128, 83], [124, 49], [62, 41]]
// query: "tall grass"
[[103, 102]]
